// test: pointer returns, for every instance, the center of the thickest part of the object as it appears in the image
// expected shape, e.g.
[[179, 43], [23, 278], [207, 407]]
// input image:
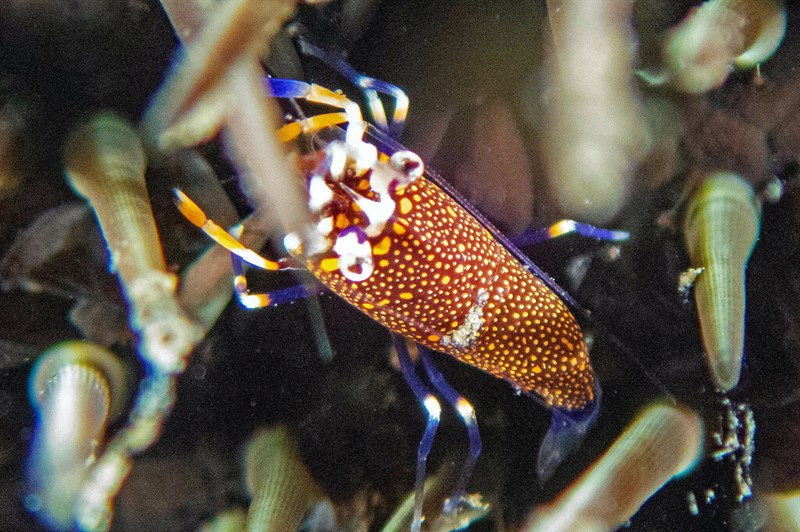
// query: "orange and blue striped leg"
[[192, 212], [565, 227], [369, 86], [290, 88], [433, 412], [467, 414], [241, 254]]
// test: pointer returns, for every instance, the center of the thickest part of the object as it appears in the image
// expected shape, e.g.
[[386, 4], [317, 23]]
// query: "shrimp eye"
[[408, 163]]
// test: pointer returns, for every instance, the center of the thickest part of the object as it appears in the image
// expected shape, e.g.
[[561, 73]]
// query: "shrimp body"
[[430, 271], [400, 248]]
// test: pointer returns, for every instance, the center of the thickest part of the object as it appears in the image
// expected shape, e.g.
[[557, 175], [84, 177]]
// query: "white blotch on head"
[[362, 155], [325, 226], [408, 164], [337, 154], [319, 194], [355, 255], [292, 243], [377, 212]]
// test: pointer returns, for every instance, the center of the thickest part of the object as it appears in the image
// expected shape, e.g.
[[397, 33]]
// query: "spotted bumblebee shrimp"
[[402, 247]]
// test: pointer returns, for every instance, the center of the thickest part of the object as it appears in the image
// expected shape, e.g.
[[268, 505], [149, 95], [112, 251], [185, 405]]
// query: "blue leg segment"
[[286, 295], [433, 412], [370, 87], [252, 300], [287, 88], [467, 414], [567, 431], [565, 227]]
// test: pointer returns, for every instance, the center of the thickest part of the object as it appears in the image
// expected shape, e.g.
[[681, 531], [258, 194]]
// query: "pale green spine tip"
[[281, 486], [720, 228]]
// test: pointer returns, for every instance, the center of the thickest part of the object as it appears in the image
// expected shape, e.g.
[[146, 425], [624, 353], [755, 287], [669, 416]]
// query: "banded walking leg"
[[433, 412], [565, 227], [253, 300], [370, 87], [467, 414], [192, 212]]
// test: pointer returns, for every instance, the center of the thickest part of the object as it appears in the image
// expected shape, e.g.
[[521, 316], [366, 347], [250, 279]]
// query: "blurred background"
[[620, 139]]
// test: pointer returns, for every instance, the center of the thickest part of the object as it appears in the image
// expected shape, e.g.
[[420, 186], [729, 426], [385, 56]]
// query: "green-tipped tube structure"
[[105, 163], [76, 388], [280, 484], [662, 442], [782, 511], [720, 35], [720, 229]]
